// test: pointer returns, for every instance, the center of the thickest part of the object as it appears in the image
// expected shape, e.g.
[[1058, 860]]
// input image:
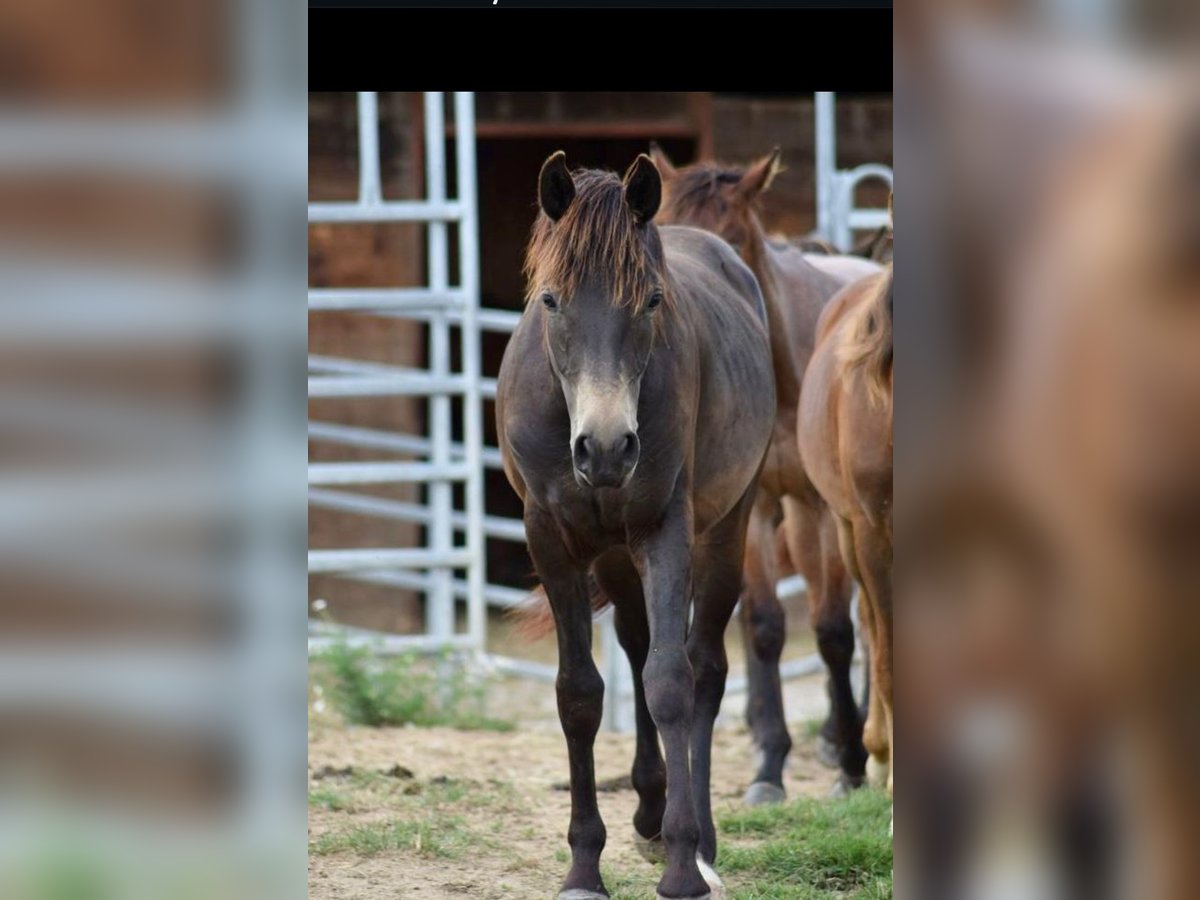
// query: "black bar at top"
[[601, 4]]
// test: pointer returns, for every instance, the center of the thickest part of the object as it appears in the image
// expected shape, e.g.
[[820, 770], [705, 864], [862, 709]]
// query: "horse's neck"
[[787, 379]]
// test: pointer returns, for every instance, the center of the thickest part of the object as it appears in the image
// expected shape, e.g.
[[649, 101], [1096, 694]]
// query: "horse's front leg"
[[580, 692], [663, 559]]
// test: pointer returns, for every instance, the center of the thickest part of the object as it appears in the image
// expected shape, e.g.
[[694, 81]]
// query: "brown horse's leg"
[[801, 528], [619, 580], [874, 554], [830, 611], [664, 560], [763, 633], [813, 545], [717, 578], [874, 731], [580, 692]]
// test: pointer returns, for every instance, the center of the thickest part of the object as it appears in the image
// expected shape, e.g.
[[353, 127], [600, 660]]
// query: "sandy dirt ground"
[[508, 807]]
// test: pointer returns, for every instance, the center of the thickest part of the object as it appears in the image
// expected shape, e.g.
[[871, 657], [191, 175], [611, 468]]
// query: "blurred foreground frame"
[[152, 327], [1047, 459]]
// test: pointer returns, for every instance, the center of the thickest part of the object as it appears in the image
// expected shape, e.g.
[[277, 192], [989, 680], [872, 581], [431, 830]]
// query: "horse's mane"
[[695, 187], [868, 342], [597, 236]]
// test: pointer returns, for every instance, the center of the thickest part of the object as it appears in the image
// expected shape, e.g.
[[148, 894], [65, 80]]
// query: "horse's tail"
[[868, 343], [534, 618]]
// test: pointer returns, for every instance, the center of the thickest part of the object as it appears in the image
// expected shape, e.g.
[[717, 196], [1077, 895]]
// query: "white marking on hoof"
[[762, 793], [712, 879], [581, 894], [651, 849]]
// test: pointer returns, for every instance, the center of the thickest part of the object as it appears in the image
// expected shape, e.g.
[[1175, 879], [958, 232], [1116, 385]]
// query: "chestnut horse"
[[634, 409], [845, 438], [796, 286]]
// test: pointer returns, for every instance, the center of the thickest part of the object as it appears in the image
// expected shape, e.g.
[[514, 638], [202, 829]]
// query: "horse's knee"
[[669, 686], [580, 701], [709, 671], [835, 639], [768, 628]]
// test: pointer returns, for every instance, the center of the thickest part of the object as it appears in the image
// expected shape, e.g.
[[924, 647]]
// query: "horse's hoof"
[[762, 793], [581, 894], [828, 753], [651, 849], [716, 887], [844, 785]]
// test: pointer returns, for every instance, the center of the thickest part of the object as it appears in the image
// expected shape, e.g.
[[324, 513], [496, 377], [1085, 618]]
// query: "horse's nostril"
[[583, 450], [629, 446]]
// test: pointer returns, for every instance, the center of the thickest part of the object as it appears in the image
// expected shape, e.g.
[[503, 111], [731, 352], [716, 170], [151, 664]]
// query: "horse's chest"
[[589, 522]]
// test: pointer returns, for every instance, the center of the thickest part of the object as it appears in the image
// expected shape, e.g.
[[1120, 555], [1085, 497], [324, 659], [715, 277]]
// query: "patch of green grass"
[[810, 849], [437, 836], [636, 885], [327, 799], [371, 689]]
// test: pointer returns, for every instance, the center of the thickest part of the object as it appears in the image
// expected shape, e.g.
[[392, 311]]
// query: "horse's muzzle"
[[600, 463]]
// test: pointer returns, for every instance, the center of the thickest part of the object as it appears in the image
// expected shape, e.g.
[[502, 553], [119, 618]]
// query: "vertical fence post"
[[369, 185], [440, 600], [826, 158], [468, 264]]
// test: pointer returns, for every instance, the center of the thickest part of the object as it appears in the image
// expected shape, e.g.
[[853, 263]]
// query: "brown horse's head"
[[716, 198], [595, 265]]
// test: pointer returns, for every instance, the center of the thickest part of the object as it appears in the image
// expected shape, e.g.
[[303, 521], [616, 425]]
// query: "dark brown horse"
[[724, 200], [634, 409], [845, 439]]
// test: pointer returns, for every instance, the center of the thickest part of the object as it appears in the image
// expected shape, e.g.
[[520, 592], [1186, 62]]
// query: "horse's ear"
[[643, 189], [556, 188], [661, 161], [760, 175]]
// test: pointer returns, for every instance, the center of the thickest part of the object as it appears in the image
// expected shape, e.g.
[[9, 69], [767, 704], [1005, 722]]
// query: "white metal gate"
[[440, 463]]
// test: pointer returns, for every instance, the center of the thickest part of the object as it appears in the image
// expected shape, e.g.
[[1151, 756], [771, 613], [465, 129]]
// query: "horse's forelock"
[[596, 239]]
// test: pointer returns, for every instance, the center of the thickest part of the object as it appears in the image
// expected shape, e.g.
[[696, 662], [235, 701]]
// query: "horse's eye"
[[655, 299], [549, 302]]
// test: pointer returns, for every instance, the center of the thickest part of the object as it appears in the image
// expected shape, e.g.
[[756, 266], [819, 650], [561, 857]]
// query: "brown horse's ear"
[[760, 175], [661, 161], [643, 189], [556, 188]]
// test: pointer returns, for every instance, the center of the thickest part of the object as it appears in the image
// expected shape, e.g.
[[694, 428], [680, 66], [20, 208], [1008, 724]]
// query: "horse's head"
[[717, 199], [595, 265]]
